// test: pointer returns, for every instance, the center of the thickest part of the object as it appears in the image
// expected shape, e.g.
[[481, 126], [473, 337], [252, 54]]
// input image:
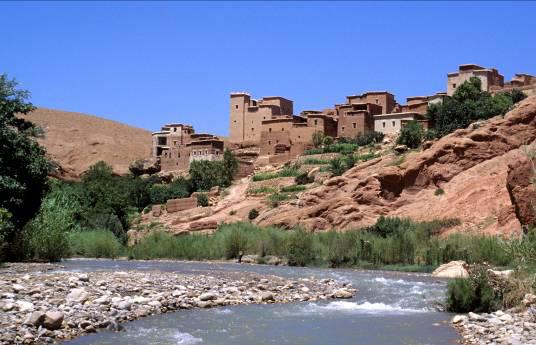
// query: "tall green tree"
[[23, 165], [469, 104]]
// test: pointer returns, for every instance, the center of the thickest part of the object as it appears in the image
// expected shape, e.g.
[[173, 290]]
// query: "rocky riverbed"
[[42, 306], [499, 328]]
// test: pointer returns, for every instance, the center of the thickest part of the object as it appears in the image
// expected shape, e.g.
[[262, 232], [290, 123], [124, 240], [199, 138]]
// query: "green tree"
[[23, 166], [411, 135], [469, 104], [230, 166]]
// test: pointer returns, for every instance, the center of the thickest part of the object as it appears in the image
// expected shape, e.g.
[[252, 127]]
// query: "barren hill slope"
[[77, 141]]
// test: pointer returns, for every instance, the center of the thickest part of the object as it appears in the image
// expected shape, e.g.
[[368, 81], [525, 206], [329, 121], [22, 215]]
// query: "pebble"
[[55, 306]]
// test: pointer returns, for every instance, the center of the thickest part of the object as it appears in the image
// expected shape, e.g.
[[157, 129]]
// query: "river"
[[389, 308]]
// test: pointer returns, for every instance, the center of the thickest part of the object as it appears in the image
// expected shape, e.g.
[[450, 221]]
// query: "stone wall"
[[175, 205]]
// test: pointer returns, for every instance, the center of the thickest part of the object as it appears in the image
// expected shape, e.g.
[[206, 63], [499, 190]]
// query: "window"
[[354, 125], [178, 155], [269, 129], [376, 101], [282, 129], [175, 142], [383, 124], [454, 85], [393, 122], [252, 129], [316, 122], [206, 152], [236, 106], [174, 129], [269, 142], [234, 121], [342, 129], [277, 141]]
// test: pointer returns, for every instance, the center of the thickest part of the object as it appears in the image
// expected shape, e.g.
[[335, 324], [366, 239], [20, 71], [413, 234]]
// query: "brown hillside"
[[77, 141], [471, 166]]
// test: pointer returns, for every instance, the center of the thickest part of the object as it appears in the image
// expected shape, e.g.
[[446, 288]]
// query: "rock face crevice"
[[459, 163], [520, 185]]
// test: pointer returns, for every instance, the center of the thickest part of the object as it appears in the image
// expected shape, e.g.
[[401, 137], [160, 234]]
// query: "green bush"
[[315, 161], [47, 233], [253, 213], [473, 294], [235, 241], [439, 191], [94, 244], [469, 104], [276, 198], [202, 200], [287, 171], [300, 249], [261, 190], [293, 188], [327, 140], [303, 178], [411, 135], [368, 138]]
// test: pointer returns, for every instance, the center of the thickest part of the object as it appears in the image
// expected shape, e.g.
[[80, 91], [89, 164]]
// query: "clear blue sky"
[[148, 63]]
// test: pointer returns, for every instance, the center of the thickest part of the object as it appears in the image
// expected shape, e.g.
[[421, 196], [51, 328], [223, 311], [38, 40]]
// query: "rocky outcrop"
[[520, 185], [147, 166], [470, 165], [453, 269]]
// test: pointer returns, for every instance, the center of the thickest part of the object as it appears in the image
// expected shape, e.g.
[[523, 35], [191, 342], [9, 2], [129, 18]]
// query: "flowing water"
[[390, 308]]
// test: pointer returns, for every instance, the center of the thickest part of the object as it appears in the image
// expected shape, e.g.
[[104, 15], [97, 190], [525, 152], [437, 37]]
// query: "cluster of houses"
[[270, 123]]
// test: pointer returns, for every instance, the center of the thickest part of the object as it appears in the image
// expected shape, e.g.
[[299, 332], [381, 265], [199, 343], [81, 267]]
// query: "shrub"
[[253, 213], [368, 138], [202, 200], [287, 171], [411, 135], [439, 191], [293, 188], [94, 244], [303, 178], [468, 104], [277, 198], [300, 248], [261, 190], [47, 233], [232, 212], [315, 161], [235, 241], [473, 294], [327, 140]]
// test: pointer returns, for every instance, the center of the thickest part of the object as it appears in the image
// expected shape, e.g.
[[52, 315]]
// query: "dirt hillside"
[[76, 141]]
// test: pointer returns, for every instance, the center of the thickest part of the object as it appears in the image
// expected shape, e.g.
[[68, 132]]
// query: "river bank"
[[43, 306], [501, 327]]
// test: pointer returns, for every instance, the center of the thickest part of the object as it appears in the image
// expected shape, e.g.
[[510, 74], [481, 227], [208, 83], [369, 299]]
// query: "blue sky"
[[148, 63]]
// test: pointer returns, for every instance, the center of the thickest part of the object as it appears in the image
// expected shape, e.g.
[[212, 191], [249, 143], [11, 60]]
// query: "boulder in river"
[[453, 269]]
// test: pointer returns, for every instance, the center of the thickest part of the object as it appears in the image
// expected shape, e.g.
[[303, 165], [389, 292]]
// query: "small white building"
[[392, 123]]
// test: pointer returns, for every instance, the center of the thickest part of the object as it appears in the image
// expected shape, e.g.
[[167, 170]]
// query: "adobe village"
[[442, 184]]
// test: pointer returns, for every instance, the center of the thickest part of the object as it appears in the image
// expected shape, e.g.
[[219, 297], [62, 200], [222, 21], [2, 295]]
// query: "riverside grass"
[[392, 244]]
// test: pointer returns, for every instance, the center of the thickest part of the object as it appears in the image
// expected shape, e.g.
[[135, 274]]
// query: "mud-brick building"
[[489, 77], [247, 114], [176, 145]]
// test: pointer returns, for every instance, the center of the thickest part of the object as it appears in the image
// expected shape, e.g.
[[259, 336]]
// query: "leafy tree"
[[230, 165], [318, 138], [23, 166], [469, 104], [368, 138], [411, 135], [47, 233]]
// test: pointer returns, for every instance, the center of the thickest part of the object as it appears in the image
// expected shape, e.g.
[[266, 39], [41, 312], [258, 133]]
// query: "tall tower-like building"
[[239, 103]]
